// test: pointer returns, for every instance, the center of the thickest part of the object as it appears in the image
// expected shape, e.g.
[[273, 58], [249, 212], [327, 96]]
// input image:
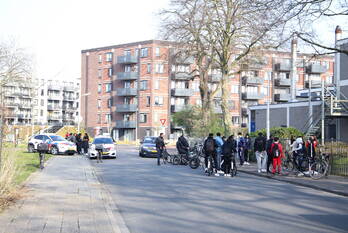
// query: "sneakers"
[[216, 174], [227, 174], [263, 170], [259, 171], [246, 163], [206, 170], [220, 172]]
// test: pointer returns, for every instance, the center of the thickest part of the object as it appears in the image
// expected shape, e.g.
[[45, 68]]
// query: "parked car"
[[148, 147], [57, 144], [106, 143]]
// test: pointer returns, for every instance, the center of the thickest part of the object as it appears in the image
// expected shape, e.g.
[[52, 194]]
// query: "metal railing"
[[338, 154]]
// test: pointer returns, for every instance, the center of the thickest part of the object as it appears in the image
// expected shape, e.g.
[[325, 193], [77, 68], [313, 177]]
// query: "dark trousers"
[[246, 155], [213, 155], [227, 165], [269, 161], [241, 156], [159, 155]]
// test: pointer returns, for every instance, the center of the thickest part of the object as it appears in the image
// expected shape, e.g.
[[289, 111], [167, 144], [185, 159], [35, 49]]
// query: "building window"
[[127, 52], [235, 89], [41, 112], [42, 102], [157, 84], [110, 72], [109, 103], [99, 73], [148, 68], [108, 118], [144, 52], [235, 120], [159, 68], [99, 88], [100, 58], [108, 87], [108, 56], [148, 101], [42, 92], [143, 118], [157, 52], [143, 85], [136, 52], [99, 103], [158, 100]]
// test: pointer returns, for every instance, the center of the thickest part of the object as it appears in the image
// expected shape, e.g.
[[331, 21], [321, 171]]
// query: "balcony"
[[182, 92], [126, 91], [54, 117], [215, 78], [178, 107], [68, 118], [251, 96], [315, 69], [54, 97], [180, 76], [69, 108], [217, 109], [252, 66], [126, 107], [68, 98], [69, 88], [128, 59], [282, 67], [127, 75], [25, 105], [282, 82], [125, 124], [53, 107], [282, 97], [315, 84], [54, 87], [23, 116], [183, 60], [246, 80], [11, 104]]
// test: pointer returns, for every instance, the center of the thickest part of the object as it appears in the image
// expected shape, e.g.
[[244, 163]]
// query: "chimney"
[[293, 71]]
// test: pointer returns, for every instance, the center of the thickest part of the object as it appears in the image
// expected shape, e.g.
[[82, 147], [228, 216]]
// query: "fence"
[[338, 152]]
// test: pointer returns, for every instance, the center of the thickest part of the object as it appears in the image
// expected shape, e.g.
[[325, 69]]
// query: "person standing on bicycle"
[[228, 151], [210, 150], [160, 146]]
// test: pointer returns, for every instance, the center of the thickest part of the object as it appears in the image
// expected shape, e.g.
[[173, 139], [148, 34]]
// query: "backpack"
[[210, 145], [259, 145], [275, 150], [225, 149]]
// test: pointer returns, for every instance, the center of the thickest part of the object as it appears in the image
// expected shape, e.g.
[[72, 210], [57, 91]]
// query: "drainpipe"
[[293, 71], [338, 36]]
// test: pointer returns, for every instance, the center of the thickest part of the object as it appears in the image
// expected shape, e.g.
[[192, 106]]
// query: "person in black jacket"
[[209, 148], [269, 153], [260, 153], [85, 143], [160, 146], [182, 145], [228, 150], [78, 143]]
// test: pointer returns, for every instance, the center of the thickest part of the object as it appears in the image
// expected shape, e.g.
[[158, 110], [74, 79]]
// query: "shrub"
[[280, 132]]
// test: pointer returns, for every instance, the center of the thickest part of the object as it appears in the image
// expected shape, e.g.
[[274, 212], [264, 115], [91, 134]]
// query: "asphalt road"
[[171, 198]]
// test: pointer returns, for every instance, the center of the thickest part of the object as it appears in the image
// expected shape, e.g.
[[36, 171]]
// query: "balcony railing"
[[23, 116], [181, 76], [247, 80], [68, 98], [282, 66], [251, 96], [316, 69], [215, 78], [54, 117], [128, 59], [54, 87], [54, 97], [126, 107], [315, 84], [282, 97], [54, 107], [69, 108], [183, 60], [178, 107], [182, 92], [125, 124], [25, 105], [126, 91], [69, 88], [282, 82], [127, 75]]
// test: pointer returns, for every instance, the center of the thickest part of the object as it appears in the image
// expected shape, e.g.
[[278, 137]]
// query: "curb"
[[298, 183]]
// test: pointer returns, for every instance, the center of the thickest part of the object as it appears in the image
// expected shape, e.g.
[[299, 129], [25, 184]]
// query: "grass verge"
[[17, 166]]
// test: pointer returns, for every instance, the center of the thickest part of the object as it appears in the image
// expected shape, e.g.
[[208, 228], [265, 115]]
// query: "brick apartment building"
[[131, 89]]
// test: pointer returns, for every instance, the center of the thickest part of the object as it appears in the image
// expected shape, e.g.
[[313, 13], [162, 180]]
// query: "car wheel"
[[140, 154], [54, 150], [31, 148]]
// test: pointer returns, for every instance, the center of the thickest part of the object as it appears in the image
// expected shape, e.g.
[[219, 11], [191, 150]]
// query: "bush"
[[280, 132]]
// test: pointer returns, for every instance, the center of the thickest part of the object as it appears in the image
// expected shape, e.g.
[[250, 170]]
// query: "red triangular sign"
[[163, 121]]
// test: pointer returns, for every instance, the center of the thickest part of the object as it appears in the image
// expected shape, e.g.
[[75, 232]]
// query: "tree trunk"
[[226, 114], [206, 100]]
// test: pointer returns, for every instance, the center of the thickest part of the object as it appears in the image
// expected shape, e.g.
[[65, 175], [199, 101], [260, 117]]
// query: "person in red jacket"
[[277, 154]]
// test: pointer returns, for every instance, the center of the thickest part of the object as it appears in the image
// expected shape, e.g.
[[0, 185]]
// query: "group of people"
[[82, 142], [222, 151]]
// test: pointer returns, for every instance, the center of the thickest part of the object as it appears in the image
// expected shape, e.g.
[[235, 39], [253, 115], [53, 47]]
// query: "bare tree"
[[15, 67]]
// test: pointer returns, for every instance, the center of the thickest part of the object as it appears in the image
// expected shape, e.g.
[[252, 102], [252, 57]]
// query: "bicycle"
[[320, 167], [196, 160]]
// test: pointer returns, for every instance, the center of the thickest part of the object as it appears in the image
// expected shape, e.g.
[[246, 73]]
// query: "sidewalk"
[[65, 197], [332, 184]]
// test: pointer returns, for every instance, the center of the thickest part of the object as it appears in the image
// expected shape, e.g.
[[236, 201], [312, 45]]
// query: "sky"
[[54, 32]]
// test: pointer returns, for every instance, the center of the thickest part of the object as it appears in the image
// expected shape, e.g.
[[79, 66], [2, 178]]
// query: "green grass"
[[26, 163]]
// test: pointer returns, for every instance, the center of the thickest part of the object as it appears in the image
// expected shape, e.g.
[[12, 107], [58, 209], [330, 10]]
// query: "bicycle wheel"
[[233, 170], [194, 163], [176, 160], [318, 170], [287, 167]]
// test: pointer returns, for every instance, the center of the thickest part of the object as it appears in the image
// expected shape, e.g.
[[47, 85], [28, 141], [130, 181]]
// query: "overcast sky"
[[55, 31]]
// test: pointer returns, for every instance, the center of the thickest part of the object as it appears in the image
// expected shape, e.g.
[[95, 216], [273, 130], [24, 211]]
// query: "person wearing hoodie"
[[277, 154], [228, 151]]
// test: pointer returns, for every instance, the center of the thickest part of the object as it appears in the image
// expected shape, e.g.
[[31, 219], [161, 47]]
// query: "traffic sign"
[[163, 121]]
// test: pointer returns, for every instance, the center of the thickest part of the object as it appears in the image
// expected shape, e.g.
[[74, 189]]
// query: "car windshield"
[[149, 140], [57, 138], [103, 141]]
